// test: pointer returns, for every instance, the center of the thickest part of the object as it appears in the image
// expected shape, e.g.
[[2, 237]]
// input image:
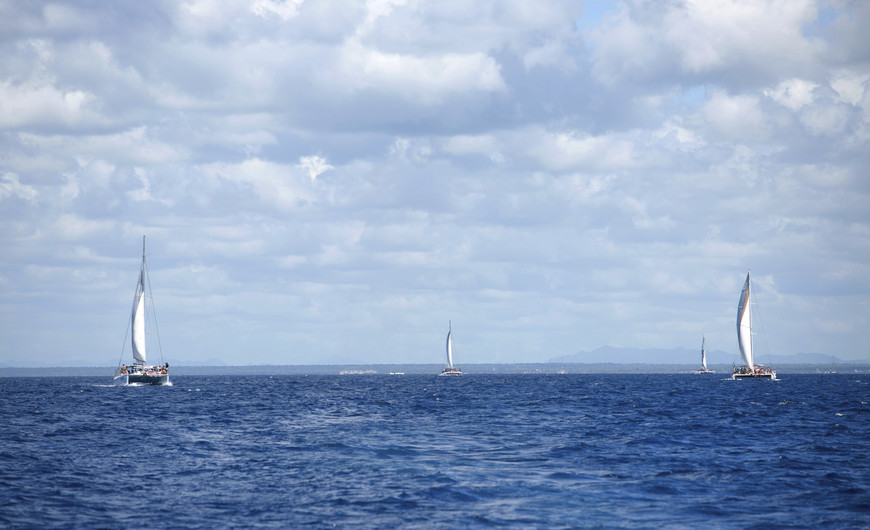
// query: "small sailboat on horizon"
[[450, 369], [139, 373], [704, 369], [750, 370]]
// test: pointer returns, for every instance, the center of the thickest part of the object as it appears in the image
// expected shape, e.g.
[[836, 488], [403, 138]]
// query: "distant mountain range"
[[610, 354], [602, 355]]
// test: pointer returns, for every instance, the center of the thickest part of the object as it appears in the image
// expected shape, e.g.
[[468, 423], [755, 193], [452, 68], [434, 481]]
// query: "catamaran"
[[749, 370], [704, 369], [139, 373], [450, 369]]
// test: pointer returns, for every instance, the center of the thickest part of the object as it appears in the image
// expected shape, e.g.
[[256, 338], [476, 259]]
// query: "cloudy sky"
[[326, 181]]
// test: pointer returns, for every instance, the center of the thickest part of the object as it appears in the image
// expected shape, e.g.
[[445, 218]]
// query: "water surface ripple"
[[554, 451]]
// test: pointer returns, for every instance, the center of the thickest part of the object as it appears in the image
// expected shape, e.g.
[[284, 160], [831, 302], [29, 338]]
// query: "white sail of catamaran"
[[139, 372], [744, 339], [744, 324], [703, 353], [138, 317], [450, 369]]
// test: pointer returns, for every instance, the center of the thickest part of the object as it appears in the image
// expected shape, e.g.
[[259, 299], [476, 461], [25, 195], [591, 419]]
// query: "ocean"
[[420, 451]]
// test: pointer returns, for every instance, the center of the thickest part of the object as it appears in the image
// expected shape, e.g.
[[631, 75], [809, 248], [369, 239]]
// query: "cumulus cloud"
[[284, 10], [851, 86], [314, 165], [138, 146], [570, 150], [276, 185], [825, 119], [793, 93], [33, 105], [729, 38], [346, 170], [10, 186], [737, 117], [426, 79]]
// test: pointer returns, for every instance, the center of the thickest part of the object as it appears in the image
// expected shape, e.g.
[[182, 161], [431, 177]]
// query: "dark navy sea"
[[413, 451]]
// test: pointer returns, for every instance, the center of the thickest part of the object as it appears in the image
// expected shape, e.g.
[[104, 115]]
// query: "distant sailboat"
[[139, 372], [704, 369], [450, 369], [833, 369], [750, 370]]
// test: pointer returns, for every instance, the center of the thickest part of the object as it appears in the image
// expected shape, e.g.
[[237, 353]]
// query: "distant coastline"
[[350, 370]]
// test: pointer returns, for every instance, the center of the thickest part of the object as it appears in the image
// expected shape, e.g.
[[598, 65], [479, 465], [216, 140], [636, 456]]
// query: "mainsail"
[[703, 353], [138, 319], [744, 325], [449, 345]]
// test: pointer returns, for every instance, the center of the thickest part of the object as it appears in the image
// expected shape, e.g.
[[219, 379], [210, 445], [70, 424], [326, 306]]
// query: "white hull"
[[705, 372], [140, 379], [771, 376], [450, 371], [760, 372]]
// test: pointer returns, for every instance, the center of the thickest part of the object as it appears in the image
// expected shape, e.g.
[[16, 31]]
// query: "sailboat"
[[704, 369], [140, 373], [450, 369], [749, 370]]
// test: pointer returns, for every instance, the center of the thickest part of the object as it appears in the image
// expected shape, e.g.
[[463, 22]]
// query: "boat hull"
[[766, 375], [140, 379], [450, 371]]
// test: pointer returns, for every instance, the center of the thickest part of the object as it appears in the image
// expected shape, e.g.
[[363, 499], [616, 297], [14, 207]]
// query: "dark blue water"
[[422, 451]]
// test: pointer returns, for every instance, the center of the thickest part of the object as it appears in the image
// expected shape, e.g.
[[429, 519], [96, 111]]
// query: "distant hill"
[[610, 354]]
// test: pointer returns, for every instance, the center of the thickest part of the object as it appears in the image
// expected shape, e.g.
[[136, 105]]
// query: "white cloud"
[[349, 169], [73, 227], [37, 105], [277, 185], [794, 93], [417, 151], [572, 150], [637, 209], [551, 53], [11, 186], [139, 145], [485, 145], [850, 86], [737, 117], [283, 9], [709, 35], [144, 193], [425, 79], [314, 165], [584, 188], [735, 37], [825, 119]]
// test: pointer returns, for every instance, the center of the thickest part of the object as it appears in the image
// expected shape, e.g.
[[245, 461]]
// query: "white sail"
[[449, 346], [703, 353], [139, 321], [744, 325]]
